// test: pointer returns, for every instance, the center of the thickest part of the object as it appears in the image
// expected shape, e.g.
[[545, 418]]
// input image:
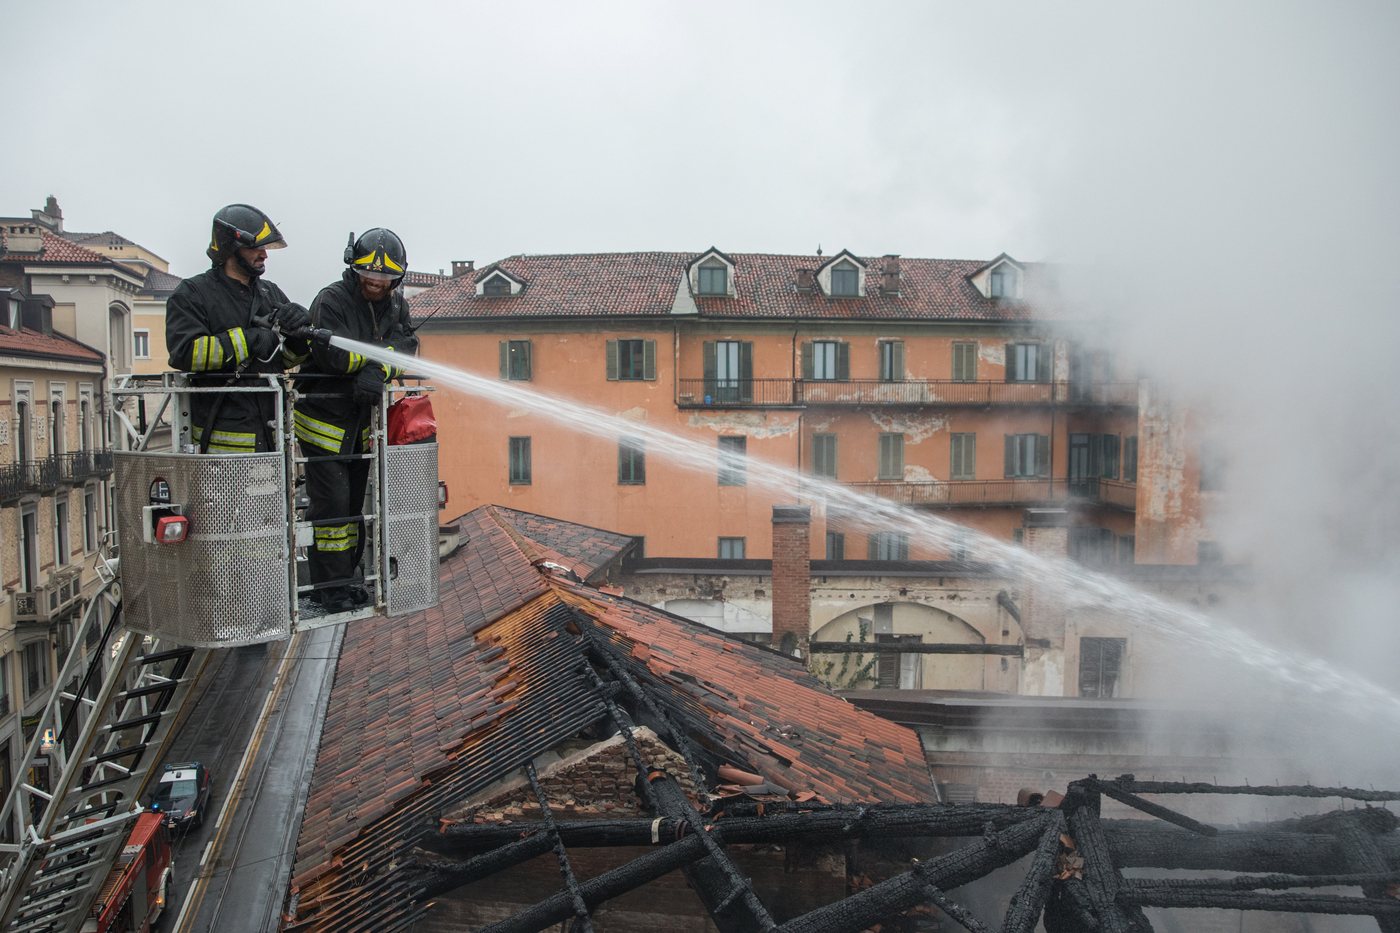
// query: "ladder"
[[106, 736]]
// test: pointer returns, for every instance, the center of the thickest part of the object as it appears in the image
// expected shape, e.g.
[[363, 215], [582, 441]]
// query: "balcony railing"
[[996, 492], [50, 600], [761, 393], [16, 479], [735, 393]]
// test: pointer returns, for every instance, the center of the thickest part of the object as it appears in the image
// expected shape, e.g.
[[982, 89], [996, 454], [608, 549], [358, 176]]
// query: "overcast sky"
[[1230, 169]]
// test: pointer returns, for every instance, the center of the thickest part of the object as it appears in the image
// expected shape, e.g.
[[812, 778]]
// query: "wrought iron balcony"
[[63, 589], [1002, 492], [80, 465], [779, 393]]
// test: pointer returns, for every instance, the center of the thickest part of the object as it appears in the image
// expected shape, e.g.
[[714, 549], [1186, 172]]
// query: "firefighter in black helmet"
[[367, 305], [218, 326]]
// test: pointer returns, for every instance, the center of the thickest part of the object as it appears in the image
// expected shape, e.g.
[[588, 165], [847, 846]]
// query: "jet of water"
[[1308, 681]]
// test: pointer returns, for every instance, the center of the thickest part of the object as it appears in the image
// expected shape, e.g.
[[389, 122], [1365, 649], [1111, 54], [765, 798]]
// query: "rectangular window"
[[845, 281], [728, 368], [520, 461], [1018, 536], [1108, 455], [60, 528], [824, 455], [714, 280], [1209, 552], [142, 341], [733, 471], [892, 456], [891, 360], [515, 360], [888, 545], [1092, 546], [1212, 466], [1127, 545], [826, 360], [1130, 459], [965, 361], [731, 548], [1027, 455], [1028, 362], [835, 545], [90, 519], [632, 360], [961, 548], [36, 667], [29, 551], [631, 461], [964, 465], [1100, 666], [898, 671]]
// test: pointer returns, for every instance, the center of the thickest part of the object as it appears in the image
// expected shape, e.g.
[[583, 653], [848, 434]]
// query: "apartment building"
[[962, 387], [55, 470]]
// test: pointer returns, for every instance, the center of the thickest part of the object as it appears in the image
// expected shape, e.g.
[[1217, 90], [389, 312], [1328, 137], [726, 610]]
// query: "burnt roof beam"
[[1081, 806], [953, 909], [1385, 912], [1028, 903], [1128, 784], [582, 920], [1362, 855], [1153, 809], [1139, 844]]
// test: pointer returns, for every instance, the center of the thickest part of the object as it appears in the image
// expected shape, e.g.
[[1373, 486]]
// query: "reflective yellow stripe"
[[290, 359], [357, 362], [365, 260], [337, 537], [265, 231], [229, 442], [240, 345], [391, 264], [208, 353], [317, 433]]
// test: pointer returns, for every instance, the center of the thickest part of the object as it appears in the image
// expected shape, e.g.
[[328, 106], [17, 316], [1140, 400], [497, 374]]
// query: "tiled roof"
[[429, 708], [31, 343], [423, 279], [106, 238], [57, 250], [582, 549], [765, 284], [158, 281]]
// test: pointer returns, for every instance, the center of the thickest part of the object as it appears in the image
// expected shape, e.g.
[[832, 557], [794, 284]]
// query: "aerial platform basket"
[[210, 543]]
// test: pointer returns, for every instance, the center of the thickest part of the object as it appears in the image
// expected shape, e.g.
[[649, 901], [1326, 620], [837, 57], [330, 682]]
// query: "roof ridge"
[[521, 543]]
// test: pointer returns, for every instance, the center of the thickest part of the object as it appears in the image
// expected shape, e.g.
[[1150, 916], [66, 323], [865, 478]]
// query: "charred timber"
[[882, 901], [1126, 783], [1081, 808], [1153, 809], [1240, 900], [1028, 902], [817, 827], [1138, 844]]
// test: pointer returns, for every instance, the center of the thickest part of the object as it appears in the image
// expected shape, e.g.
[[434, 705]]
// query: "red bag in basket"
[[411, 420]]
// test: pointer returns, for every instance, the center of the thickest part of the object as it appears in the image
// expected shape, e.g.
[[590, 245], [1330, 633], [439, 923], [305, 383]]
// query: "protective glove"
[[262, 343], [407, 344], [369, 385], [292, 317]]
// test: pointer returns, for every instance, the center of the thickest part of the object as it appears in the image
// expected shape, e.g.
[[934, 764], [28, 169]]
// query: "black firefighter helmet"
[[242, 226], [377, 255]]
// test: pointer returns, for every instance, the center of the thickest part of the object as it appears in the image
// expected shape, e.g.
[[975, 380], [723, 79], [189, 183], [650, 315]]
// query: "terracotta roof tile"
[[31, 343]]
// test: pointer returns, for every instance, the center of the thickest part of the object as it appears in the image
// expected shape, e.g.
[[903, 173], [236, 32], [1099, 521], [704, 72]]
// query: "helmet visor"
[[378, 276]]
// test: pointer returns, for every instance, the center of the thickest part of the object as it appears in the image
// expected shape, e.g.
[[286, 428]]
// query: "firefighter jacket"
[[341, 309], [207, 320]]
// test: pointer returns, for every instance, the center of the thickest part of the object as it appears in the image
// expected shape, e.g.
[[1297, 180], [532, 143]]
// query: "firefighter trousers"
[[336, 490]]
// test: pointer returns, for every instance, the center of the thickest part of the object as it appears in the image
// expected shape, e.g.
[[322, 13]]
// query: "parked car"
[[182, 794]]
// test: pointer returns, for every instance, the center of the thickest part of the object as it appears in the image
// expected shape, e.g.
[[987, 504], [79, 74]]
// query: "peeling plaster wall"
[[1169, 513], [748, 423]]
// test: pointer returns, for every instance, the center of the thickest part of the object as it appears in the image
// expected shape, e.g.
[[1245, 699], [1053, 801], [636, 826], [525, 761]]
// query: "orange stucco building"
[[952, 385]]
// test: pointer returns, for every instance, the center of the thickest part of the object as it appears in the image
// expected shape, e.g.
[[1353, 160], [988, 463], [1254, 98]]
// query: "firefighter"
[[365, 305], [218, 326]]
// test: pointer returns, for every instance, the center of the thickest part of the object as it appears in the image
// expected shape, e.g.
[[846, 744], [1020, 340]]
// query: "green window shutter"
[[1010, 455], [884, 456], [649, 360], [708, 366], [624, 462], [612, 360], [527, 368], [964, 362], [898, 374], [843, 362], [505, 359], [1011, 362], [807, 359], [1130, 445], [1044, 361], [897, 444], [1095, 455], [746, 370], [1042, 455]]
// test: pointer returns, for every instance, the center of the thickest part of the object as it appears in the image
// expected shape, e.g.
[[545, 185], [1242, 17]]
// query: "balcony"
[[48, 474], [63, 590], [782, 393], [1002, 492]]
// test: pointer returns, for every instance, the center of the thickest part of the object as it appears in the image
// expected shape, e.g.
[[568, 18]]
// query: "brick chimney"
[[889, 284], [462, 267], [792, 578], [1043, 607], [806, 280]]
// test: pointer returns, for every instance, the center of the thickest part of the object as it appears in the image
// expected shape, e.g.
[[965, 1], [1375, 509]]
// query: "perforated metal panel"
[[227, 583], [413, 526]]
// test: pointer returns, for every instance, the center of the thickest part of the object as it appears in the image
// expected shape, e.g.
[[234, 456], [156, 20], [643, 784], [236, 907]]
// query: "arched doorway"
[[889, 625]]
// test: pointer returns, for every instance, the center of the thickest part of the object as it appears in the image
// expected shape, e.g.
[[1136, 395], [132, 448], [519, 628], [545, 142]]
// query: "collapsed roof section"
[[521, 656]]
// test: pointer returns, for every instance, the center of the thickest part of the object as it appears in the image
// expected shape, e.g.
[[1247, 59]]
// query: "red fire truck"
[[138, 889]]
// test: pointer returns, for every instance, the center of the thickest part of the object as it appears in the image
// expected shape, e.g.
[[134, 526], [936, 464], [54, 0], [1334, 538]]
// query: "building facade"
[[959, 387]]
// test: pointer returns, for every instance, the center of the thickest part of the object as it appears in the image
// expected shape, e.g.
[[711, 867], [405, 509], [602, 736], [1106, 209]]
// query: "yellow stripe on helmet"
[[265, 231], [391, 264], [365, 260]]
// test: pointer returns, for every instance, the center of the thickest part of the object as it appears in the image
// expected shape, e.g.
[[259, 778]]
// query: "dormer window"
[[714, 278], [1002, 282], [845, 280], [496, 285]]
